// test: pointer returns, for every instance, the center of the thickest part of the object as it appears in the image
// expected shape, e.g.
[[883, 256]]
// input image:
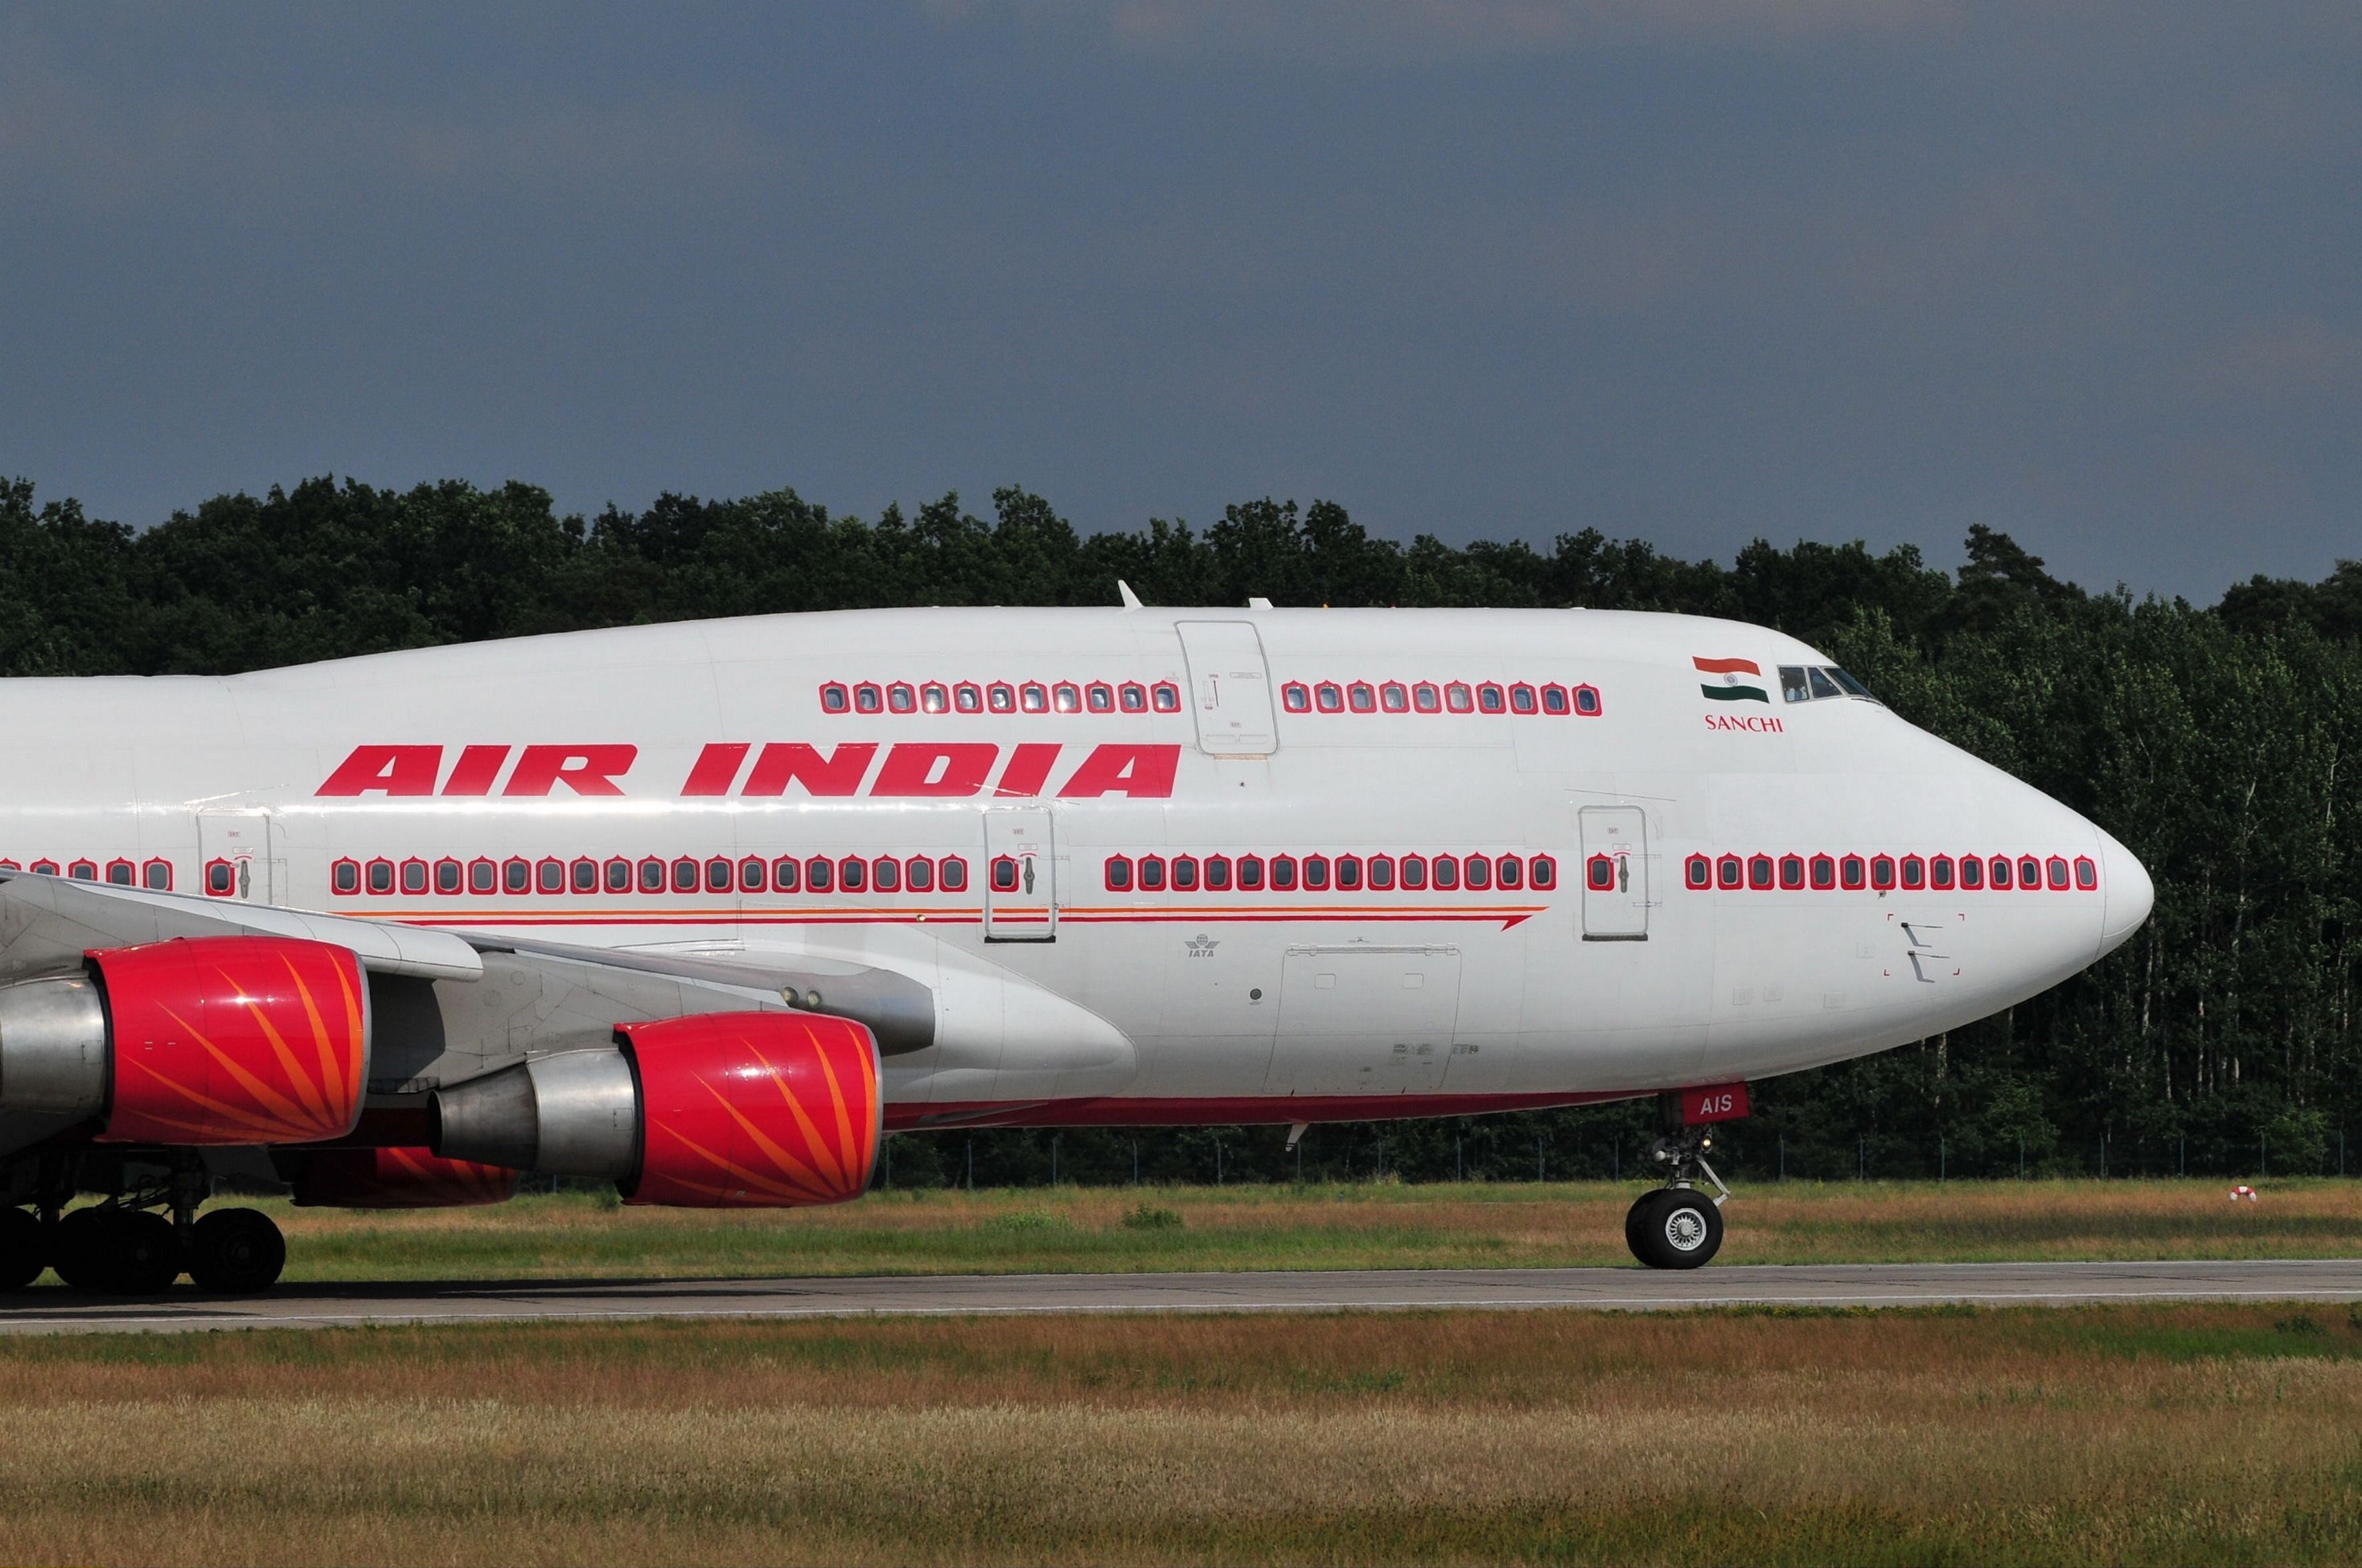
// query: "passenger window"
[[1698, 871], [156, 877], [867, 699], [2056, 869], [1066, 696], [819, 875], [1362, 697], [2087, 875], [1316, 873], [1250, 873], [1000, 697], [1395, 697], [684, 875], [754, 876], [967, 697], [933, 697], [1791, 684], [953, 871], [1792, 872], [345, 876], [1915, 871], [787, 874], [1489, 699], [413, 877], [219, 878], [1728, 872], [1544, 872], [1509, 872], [1853, 872], [1119, 874], [885, 873], [1599, 874], [1185, 873], [84, 870], [380, 876], [1218, 873], [1521, 700], [2029, 875], [516, 875], [1554, 699], [1295, 697], [1447, 874], [1152, 874], [1414, 872], [482, 876], [1972, 872], [1824, 872], [1004, 874], [1100, 696], [121, 873], [853, 875], [2000, 868], [1034, 697], [1758, 873], [1132, 697], [1939, 873], [1425, 698], [833, 698], [1477, 874], [1167, 695], [1458, 697], [549, 875], [720, 876], [1283, 873], [900, 698], [918, 873], [1882, 872], [1382, 873], [1586, 701], [1329, 697], [652, 874], [586, 875]]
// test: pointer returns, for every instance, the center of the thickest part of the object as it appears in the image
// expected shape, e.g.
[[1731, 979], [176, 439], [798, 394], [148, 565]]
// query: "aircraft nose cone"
[[2127, 890]]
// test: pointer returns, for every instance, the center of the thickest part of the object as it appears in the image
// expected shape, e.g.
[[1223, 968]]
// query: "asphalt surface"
[[1614, 1289]]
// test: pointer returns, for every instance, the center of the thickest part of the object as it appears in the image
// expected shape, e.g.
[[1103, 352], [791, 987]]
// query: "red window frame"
[[918, 873], [653, 874], [457, 877], [618, 874], [1000, 697], [901, 699], [155, 874], [423, 878], [1555, 701], [337, 876], [1915, 873], [1697, 872], [220, 879], [1329, 697], [967, 697], [687, 875], [1034, 697], [1761, 873], [1587, 702], [2029, 884], [834, 698], [1316, 873], [1730, 874], [1939, 873], [379, 869], [1509, 873], [1184, 874], [1165, 696], [1295, 697], [1599, 873], [1218, 873], [549, 875], [1853, 874], [2054, 873], [2087, 874], [1283, 873], [885, 875], [754, 875], [582, 874], [720, 874], [819, 875], [1362, 697], [1491, 699], [853, 875], [1459, 697], [1824, 869], [1004, 873], [951, 873], [934, 697], [1542, 872], [1066, 697], [2001, 874], [1132, 697], [1426, 697], [1381, 872], [1099, 697], [130, 878], [868, 697], [1523, 700], [1116, 875], [488, 880], [1881, 873], [1152, 874], [787, 874], [44, 867], [1972, 873], [516, 875], [1792, 873], [1251, 868], [82, 870], [1476, 874], [1348, 873], [1394, 697]]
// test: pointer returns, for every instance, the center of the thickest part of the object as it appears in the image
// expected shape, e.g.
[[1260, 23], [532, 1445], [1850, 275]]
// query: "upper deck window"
[[834, 698], [1362, 697], [1395, 697], [1554, 699], [1066, 696], [1132, 697], [967, 697], [1000, 697], [1522, 699], [1295, 697], [900, 698], [1458, 698], [1427, 698], [1489, 698], [868, 697], [1586, 701], [1099, 697], [934, 697], [1167, 694]]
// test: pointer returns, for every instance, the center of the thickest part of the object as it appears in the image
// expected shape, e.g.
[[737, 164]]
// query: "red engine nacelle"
[[754, 1110], [202, 1039], [397, 1178]]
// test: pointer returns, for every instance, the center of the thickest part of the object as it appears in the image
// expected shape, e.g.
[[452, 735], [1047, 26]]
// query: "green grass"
[[1379, 1225]]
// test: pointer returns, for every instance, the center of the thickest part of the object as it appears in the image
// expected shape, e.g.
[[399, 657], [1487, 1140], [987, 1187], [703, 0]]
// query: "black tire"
[[1637, 1217], [80, 1249], [146, 1254], [24, 1249], [1683, 1229], [235, 1251]]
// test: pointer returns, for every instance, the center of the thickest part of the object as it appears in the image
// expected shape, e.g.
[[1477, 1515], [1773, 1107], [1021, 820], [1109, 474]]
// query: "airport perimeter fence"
[[1606, 1143]]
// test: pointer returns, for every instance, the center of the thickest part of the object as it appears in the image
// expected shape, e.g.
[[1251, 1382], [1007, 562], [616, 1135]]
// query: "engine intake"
[[208, 1040], [738, 1109]]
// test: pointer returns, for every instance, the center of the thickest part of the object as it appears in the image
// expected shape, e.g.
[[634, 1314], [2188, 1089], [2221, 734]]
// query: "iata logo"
[[741, 770]]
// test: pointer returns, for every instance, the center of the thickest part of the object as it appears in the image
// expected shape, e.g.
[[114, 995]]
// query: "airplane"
[[706, 909]]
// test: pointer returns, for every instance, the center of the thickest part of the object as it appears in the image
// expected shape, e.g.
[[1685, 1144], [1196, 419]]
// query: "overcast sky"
[[1694, 270]]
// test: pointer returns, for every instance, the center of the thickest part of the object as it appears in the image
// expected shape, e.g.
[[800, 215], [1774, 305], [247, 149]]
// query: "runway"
[[1369, 1290]]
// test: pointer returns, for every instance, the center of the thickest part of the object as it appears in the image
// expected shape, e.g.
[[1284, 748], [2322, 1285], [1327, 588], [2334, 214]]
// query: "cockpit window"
[[1853, 687], [1823, 686], [1792, 684]]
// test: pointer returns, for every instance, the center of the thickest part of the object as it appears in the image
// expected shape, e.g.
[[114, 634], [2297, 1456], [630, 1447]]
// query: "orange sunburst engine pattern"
[[399, 1178], [755, 1109], [235, 1039]]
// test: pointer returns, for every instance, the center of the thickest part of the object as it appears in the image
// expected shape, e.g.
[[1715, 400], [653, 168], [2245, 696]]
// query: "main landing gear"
[[1678, 1225], [136, 1251]]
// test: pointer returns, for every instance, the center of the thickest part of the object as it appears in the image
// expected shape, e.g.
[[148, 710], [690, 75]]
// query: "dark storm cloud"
[[1697, 271]]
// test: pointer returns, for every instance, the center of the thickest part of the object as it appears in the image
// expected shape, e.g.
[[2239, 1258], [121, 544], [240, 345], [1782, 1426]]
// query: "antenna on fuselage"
[[1130, 600]]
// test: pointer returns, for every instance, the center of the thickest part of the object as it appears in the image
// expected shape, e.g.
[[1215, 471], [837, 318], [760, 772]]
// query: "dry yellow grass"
[[2172, 1434], [1351, 1226]]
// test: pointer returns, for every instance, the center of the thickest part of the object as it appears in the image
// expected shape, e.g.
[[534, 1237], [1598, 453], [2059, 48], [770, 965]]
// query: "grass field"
[[1347, 1226], [2119, 1435]]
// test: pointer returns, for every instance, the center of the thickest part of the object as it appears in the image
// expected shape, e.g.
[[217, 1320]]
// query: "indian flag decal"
[[1731, 689]]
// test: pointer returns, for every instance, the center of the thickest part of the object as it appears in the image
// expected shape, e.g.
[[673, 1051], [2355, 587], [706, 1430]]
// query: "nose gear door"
[[1021, 875], [1614, 874]]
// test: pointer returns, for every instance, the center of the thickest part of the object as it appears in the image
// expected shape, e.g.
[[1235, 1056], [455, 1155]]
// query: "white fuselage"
[[1072, 995]]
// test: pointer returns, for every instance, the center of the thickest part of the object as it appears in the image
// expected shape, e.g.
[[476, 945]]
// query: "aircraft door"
[[1614, 874], [1366, 1019], [1021, 875], [1230, 688], [236, 859]]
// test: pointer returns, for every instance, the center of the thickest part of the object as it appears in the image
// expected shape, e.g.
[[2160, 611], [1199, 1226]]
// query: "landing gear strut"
[[1678, 1225]]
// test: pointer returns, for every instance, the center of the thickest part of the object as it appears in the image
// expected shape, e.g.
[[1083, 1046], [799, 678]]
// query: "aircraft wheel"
[[1637, 1217], [24, 1249], [146, 1254], [236, 1251], [80, 1246], [1681, 1229]]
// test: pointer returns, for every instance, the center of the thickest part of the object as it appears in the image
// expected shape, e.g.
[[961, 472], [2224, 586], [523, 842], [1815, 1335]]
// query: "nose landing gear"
[[1678, 1225]]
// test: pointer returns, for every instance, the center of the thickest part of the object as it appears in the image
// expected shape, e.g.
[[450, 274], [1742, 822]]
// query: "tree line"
[[2211, 740]]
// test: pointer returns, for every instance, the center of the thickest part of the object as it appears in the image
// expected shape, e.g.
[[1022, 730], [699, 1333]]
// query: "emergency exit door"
[[234, 857], [1021, 875], [1614, 874], [1230, 688]]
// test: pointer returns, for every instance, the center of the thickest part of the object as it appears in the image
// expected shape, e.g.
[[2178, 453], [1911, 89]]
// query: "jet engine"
[[396, 1178], [713, 1110], [209, 1040]]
